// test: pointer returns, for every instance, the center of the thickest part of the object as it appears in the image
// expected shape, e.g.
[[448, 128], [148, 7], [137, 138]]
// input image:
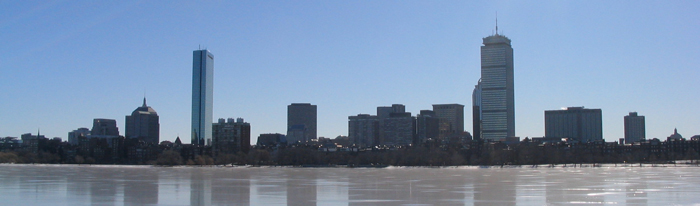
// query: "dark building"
[[427, 126], [104, 128], [476, 111], [577, 123], [398, 129], [634, 128], [363, 130], [451, 119], [301, 122], [231, 136], [271, 140], [143, 124]]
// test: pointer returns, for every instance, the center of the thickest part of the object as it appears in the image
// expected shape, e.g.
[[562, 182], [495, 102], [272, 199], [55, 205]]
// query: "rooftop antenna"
[[496, 22], [200, 47]]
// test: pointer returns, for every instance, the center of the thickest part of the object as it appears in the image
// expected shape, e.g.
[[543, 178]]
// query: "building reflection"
[[200, 187], [494, 187], [103, 188], [141, 188], [231, 188], [301, 187]]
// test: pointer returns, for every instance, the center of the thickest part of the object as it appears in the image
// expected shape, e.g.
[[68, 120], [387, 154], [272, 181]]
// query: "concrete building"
[[104, 128], [363, 130], [396, 126], [230, 137], [73, 136], [634, 128], [143, 124], [451, 119], [427, 126], [398, 129], [301, 122], [202, 96], [497, 88], [577, 123]]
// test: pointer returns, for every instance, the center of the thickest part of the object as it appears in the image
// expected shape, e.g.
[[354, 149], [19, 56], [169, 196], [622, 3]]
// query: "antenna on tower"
[[496, 22]]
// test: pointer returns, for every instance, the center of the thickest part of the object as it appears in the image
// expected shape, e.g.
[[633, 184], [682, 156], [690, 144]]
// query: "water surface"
[[146, 185]]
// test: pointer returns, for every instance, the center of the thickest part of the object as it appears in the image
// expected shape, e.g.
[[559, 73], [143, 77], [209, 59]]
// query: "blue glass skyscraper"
[[202, 96]]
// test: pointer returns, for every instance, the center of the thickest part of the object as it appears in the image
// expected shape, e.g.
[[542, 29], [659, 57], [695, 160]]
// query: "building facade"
[[73, 136], [301, 122], [202, 96], [427, 126], [363, 130], [634, 128], [451, 119], [497, 88], [476, 111], [577, 123], [104, 128], [398, 129], [143, 124], [230, 137]]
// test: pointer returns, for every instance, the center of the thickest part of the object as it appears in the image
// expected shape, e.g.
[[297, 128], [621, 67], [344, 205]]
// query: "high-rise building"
[[634, 128], [577, 123], [104, 128], [497, 88], [396, 126], [385, 112], [73, 137], [202, 96], [397, 129], [476, 111], [363, 130], [143, 124], [301, 122], [451, 119], [427, 126], [231, 136]]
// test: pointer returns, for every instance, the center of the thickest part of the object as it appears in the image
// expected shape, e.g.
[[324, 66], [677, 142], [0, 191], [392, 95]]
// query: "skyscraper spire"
[[144, 101], [497, 23]]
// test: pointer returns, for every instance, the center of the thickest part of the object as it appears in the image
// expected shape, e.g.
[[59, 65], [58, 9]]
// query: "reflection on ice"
[[145, 185]]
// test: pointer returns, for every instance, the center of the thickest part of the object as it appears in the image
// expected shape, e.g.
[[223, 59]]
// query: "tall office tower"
[[301, 122], [231, 136], [497, 91], [580, 124], [75, 134], [363, 130], [202, 96], [476, 111], [634, 128], [143, 124], [451, 119], [104, 128], [427, 126]]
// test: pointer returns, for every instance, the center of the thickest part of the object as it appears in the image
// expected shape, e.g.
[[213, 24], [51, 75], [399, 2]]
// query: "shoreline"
[[586, 165]]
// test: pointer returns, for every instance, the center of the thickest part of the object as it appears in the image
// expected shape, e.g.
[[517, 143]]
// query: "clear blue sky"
[[64, 63]]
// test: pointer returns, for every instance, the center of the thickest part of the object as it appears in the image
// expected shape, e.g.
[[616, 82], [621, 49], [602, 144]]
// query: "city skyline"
[[347, 58]]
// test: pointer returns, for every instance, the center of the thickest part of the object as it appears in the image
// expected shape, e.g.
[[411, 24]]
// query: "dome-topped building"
[[143, 124], [675, 135]]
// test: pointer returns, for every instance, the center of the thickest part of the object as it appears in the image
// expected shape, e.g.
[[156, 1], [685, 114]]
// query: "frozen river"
[[146, 185]]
